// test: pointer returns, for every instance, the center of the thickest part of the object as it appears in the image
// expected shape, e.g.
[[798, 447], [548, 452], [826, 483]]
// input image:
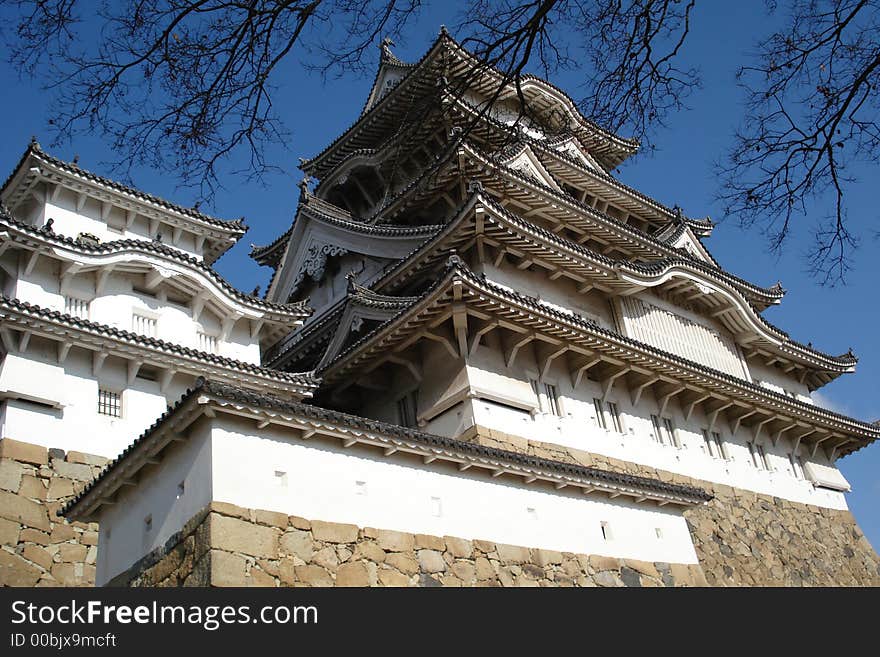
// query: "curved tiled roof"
[[652, 269], [233, 226], [661, 246], [322, 210], [455, 268], [305, 379], [367, 297], [147, 247], [626, 146], [232, 394]]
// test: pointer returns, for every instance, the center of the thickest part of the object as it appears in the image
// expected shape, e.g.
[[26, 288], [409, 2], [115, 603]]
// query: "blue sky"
[[680, 172]]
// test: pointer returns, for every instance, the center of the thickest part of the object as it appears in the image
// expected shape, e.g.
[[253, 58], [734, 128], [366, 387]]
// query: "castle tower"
[[529, 372]]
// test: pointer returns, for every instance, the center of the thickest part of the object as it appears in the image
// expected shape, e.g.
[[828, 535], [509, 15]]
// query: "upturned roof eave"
[[234, 228], [627, 147], [646, 274], [289, 314], [27, 316], [458, 273]]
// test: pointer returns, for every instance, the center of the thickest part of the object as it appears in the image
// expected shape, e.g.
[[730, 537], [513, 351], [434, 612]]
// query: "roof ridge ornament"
[[475, 186], [304, 188], [454, 260]]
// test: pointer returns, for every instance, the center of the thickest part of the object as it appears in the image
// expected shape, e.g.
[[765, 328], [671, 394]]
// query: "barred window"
[[671, 435], [143, 325], [76, 307], [658, 434], [109, 403], [664, 431], [797, 465]]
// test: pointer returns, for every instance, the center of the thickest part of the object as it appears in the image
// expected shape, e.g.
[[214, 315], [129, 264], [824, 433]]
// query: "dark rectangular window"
[[108, 403], [407, 409]]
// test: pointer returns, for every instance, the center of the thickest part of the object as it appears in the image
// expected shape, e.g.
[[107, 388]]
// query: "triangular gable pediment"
[[691, 243], [359, 318], [315, 239], [573, 149], [389, 77], [528, 164]]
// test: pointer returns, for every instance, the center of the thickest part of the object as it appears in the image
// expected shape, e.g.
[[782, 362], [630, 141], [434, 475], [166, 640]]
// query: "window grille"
[[658, 432], [759, 457], [714, 445], [671, 436], [109, 403]]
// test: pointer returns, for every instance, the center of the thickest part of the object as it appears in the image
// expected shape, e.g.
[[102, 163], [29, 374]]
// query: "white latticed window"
[[143, 325], [679, 335], [109, 403], [76, 307], [207, 342]]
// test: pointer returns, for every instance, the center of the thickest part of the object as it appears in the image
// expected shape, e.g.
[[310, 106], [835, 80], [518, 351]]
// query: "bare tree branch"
[[811, 111]]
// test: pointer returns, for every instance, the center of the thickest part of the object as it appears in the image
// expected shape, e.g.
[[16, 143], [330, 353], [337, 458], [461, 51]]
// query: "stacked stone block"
[[743, 538], [38, 548], [226, 545]]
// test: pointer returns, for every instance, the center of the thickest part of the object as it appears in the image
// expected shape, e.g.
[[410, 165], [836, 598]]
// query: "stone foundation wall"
[[743, 538], [226, 545], [37, 548]]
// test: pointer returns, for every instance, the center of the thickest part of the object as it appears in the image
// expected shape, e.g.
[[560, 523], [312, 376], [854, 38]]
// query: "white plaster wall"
[[321, 482], [123, 537], [578, 428], [73, 387], [561, 293], [70, 223], [773, 379], [119, 301]]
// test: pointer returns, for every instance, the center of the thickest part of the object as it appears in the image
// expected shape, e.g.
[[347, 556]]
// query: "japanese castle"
[[474, 334]]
